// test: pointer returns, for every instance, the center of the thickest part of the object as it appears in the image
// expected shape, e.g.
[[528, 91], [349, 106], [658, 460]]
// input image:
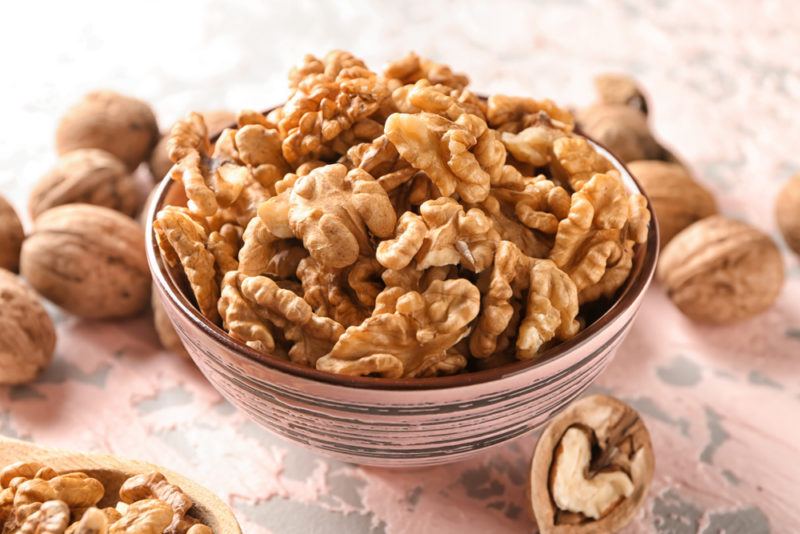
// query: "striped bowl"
[[401, 422]]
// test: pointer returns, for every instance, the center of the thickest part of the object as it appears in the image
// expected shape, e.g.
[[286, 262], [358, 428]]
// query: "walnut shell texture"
[[87, 176], [622, 129], [89, 260], [787, 211], [678, 200], [27, 334], [11, 236], [720, 271], [119, 124]]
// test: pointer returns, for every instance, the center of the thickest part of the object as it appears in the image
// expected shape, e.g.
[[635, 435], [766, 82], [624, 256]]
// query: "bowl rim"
[[637, 283]]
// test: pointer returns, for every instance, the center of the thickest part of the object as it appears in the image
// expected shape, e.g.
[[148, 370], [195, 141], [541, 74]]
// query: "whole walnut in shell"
[[119, 124], [86, 176], [787, 211], [622, 129], [11, 236], [677, 198], [166, 332], [27, 335], [88, 260], [620, 89], [720, 271]]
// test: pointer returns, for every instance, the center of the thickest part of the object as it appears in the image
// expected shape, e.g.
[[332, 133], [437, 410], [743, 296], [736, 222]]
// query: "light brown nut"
[[216, 120], [51, 518], [459, 156], [164, 329], [87, 176], [313, 335], [410, 337], [439, 99], [720, 271], [619, 89], [576, 161], [149, 516], [412, 68], [678, 200], [182, 239], [77, 490], [124, 126], [240, 318], [88, 260], [327, 291], [591, 468], [93, 521], [534, 144], [155, 486], [621, 129], [331, 209], [27, 338], [224, 245], [787, 212], [397, 253], [199, 529], [25, 470], [537, 202], [32, 491], [514, 113], [11, 236], [257, 249]]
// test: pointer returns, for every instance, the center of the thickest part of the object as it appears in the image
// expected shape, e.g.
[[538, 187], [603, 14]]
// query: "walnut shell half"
[[27, 335], [787, 211], [720, 271], [88, 176], [11, 236], [591, 468], [678, 200], [119, 124], [88, 260]]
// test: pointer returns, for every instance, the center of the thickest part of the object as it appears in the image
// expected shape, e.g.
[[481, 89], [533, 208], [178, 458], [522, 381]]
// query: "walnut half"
[[591, 468]]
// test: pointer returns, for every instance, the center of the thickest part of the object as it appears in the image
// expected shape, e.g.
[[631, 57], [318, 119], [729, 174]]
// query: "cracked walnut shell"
[[86, 176], [11, 236], [787, 211], [27, 334], [720, 271], [123, 126], [88, 260], [591, 468]]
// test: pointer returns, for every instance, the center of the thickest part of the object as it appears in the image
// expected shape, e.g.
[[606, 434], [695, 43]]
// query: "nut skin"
[[90, 176], [124, 126], [27, 334], [88, 260], [623, 443], [787, 212], [11, 236], [678, 200], [622, 129], [720, 271]]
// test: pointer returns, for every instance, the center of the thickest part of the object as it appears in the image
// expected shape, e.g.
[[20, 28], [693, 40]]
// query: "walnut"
[[241, 318], [787, 211], [87, 176], [411, 337], [164, 329], [148, 516], [412, 68], [11, 236], [459, 156], [534, 144], [509, 228], [678, 200], [514, 114], [123, 126], [576, 161], [88, 260], [52, 517], [327, 291], [591, 468], [439, 99], [621, 129], [594, 244], [618, 89], [720, 271], [538, 203], [160, 164], [93, 521], [154, 485]]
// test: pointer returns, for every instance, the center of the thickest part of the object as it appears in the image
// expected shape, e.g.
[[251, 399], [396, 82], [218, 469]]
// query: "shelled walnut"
[[787, 211], [719, 270], [86, 176], [11, 236], [88, 260], [121, 125], [27, 334], [591, 468], [678, 200]]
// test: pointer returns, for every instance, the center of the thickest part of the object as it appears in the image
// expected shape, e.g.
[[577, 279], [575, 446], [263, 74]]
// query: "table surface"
[[721, 404]]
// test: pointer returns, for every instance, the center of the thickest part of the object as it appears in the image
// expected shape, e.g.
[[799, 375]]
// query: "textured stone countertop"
[[722, 404]]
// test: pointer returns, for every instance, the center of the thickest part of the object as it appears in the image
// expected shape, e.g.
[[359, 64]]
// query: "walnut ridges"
[[88, 260], [591, 468], [787, 211], [11, 236], [86, 176], [719, 270], [124, 126], [27, 335]]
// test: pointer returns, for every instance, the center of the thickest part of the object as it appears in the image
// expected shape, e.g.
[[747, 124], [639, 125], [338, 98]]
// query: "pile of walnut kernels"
[[34, 498], [396, 224]]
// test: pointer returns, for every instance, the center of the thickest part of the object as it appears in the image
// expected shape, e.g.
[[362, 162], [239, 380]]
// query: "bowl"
[[401, 422]]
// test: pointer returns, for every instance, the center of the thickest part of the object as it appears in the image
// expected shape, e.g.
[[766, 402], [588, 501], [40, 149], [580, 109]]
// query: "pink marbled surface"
[[722, 404]]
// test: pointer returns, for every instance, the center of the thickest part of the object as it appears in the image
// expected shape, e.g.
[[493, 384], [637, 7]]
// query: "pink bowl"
[[402, 422]]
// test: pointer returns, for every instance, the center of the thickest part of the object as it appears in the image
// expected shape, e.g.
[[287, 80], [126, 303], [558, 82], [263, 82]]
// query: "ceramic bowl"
[[401, 422]]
